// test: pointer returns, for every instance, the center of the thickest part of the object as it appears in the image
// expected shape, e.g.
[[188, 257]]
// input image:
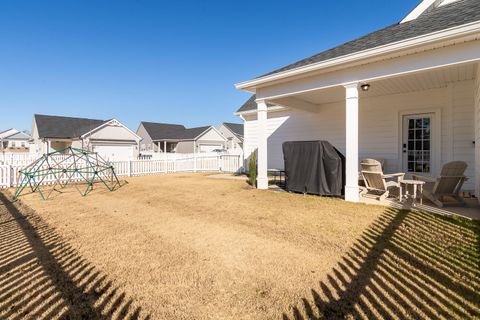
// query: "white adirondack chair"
[[376, 182], [448, 184]]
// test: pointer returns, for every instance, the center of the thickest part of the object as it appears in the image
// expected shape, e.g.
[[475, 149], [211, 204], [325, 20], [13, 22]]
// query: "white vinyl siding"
[[477, 130], [146, 140], [380, 131], [463, 125], [233, 142], [211, 134]]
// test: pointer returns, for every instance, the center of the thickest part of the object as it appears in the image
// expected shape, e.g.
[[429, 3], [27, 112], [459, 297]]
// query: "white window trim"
[[436, 164]]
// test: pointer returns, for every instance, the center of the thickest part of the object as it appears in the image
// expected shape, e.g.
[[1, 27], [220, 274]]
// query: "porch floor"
[[471, 210]]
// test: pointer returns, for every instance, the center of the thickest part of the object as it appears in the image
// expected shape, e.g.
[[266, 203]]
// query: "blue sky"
[[165, 61]]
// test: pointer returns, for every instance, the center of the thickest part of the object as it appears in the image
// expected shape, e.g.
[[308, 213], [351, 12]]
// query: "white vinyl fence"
[[184, 163]]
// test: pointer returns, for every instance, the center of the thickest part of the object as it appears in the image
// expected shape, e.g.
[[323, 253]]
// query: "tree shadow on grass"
[[43, 277], [407, 265]]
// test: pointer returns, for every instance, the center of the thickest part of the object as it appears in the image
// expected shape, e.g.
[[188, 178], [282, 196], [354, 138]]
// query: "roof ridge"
[[69, 117], [162, 123]]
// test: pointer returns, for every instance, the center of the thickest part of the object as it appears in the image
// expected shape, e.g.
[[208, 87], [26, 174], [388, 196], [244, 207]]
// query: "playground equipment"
[[66, 166]]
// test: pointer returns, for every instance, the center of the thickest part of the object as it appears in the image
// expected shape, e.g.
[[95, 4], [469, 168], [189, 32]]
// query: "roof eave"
[[254, 111], [377, 52]]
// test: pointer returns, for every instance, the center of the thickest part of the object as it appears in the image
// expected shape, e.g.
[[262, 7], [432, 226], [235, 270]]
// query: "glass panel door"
[[417, 143]]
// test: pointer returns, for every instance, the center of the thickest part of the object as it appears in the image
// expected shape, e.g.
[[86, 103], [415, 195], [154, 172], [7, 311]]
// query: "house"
[[161, 137], [233, 132], [14, 140], [109, 138], [408, 94], [8, 132]]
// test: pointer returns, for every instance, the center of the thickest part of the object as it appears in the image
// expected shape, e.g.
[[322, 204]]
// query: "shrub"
[[252, 169]]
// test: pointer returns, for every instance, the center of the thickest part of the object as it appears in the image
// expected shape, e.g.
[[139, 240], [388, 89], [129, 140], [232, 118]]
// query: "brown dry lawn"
[[187, 246]]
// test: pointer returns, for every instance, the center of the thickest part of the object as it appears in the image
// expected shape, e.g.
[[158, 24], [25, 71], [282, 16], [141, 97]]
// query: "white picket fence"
[[9, 173], [23, 158]]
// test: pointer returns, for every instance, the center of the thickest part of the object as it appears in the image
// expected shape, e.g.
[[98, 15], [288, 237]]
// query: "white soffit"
[[419, 81]]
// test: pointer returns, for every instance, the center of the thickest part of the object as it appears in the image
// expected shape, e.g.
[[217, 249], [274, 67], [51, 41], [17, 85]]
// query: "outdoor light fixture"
[[365, 87]]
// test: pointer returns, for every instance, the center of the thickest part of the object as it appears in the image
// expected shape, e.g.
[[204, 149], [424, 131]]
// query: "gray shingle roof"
[[250, 104], [64, 127], [158, 131], [167, 131], [236, 128], [18, 136], [192, 133], [444, 17]]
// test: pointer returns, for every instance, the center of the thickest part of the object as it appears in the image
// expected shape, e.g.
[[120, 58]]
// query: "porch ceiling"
[[438, 78]]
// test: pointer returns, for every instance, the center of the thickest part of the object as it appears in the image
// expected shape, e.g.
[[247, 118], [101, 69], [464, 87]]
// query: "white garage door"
[[114, 153], [209, 147]]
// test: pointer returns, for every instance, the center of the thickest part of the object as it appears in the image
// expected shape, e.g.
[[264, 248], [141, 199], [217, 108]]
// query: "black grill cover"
[[314, 167]]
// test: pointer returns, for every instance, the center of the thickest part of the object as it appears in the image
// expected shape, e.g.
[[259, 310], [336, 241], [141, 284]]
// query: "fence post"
[[175, 163], [9, 176], [129, 168], [194, 161], [220, 162]]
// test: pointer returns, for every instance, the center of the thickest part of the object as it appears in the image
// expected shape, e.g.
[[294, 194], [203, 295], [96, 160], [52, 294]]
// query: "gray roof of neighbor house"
[[158, 131], [167, 131], [192, 133], [440, 18], [236, 128], [5, 131], [64, 127], [18, 136]]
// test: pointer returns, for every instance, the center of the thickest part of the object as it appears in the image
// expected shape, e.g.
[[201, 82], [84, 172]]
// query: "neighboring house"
[[8, 132], [111, 139], [161, 137], [14, 140], [233, 132], [408, 94]]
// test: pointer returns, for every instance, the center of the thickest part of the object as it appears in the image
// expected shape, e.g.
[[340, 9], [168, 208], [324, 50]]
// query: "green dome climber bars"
[[66, 166]]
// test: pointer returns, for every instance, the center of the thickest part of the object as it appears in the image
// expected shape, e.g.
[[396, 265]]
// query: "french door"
[[417, 143]]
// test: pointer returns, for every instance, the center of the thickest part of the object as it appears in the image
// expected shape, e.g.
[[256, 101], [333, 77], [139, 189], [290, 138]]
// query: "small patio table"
[[277, 173], [417, 185]]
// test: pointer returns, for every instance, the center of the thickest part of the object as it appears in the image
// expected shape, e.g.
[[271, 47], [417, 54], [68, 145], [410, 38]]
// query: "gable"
[[228, 134], [236, 128], [112, 131], [424, 7], [8, 132], [211, 135], [18, 136], [142, 133]]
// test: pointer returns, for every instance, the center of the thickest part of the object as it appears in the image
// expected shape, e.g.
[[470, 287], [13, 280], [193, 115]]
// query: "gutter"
[[443, 35]]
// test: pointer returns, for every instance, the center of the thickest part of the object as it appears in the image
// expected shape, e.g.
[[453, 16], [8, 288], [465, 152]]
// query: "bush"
[[252, 170]]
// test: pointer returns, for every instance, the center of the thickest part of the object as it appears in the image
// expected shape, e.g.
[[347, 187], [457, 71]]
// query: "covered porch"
[[414, 113]]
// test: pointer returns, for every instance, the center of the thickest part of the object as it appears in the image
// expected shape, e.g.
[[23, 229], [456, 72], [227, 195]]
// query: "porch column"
[[262, 155], [351, 115]]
